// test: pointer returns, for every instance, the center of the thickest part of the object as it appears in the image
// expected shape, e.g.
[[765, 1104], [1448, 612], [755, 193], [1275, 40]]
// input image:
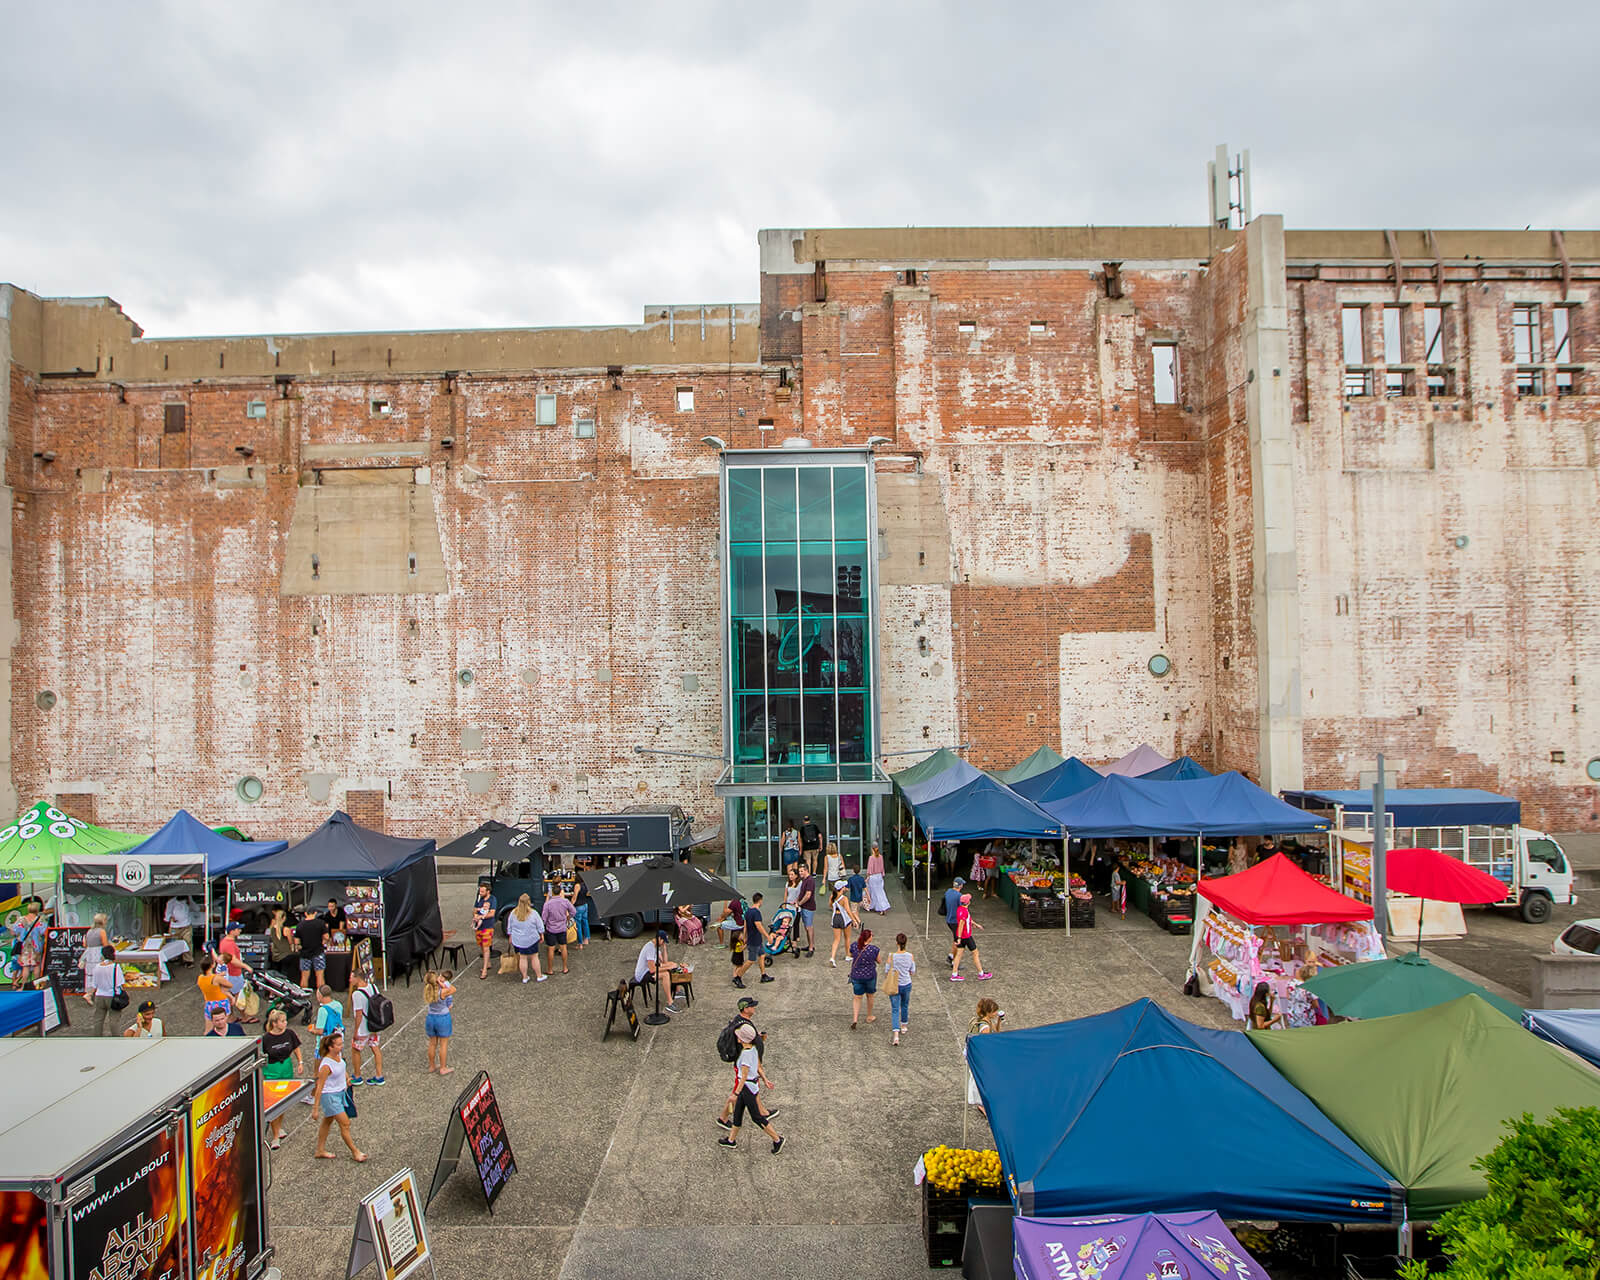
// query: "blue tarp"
[[1422, 806], [1183, 769], [1097, 1116], [1574, 1029], [185, 836], [337, 850], [19, 1010], [1228, 804], [1066, 779], [985, 809]]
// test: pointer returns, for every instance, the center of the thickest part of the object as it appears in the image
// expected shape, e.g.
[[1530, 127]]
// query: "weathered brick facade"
[[382, 570]]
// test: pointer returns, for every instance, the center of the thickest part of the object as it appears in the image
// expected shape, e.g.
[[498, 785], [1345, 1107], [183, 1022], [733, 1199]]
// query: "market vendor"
[[1267, 848], [1263, 1017]]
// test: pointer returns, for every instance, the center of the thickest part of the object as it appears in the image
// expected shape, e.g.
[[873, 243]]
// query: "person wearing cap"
[[653, 966], [843, 914], [965, 924], [146, 1026], [746, 1018], [747, 1100], [952, 902]]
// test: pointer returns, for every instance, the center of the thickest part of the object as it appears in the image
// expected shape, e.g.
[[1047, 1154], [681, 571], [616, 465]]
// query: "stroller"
[[280, 993], [782, 931]]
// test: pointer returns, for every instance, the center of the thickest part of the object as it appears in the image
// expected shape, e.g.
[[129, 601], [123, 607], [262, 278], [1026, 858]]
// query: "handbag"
[[572, 933], [508, 964], [350, 1101], [119, 997]]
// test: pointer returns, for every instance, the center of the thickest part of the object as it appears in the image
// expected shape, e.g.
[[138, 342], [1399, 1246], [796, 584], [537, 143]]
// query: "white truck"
[[1483, 829]]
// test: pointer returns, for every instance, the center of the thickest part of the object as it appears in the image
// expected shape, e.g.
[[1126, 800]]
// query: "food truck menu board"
[[363, 909], [129, 1220], [615, 833], [63, 952]]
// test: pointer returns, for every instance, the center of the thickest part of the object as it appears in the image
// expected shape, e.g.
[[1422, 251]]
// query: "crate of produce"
[[1041, 913]]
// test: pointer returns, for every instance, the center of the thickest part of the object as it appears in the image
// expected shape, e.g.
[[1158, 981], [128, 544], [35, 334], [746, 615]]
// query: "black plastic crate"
[[946, 1251]]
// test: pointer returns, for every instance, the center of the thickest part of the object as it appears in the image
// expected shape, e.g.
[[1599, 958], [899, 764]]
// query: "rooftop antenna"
[[1229, 185]]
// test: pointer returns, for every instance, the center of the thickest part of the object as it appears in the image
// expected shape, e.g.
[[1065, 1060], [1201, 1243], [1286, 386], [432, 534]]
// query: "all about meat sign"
[[128, 1224], [224, 1145]]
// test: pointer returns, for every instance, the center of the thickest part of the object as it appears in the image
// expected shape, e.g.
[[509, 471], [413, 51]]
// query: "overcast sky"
[[293, 167]]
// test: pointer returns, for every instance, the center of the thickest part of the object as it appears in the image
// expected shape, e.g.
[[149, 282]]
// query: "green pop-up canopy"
[[31, 847], [1383, 988], [1041, 761], [1427, 1093]]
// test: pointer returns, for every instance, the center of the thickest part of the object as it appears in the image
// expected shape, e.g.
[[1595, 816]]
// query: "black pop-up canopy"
[[403, 869]]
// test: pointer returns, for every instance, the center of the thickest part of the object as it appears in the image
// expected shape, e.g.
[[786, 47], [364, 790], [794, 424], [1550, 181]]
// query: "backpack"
[[942, 914], [380, 1011], [728, 1046]]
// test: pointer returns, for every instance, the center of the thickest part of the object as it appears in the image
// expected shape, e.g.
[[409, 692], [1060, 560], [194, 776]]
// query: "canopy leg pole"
[[966, 1108], [383, 934], [927, 898], [1422, 905]]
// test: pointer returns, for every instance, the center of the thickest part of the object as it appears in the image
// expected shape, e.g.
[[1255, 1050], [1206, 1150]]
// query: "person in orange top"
[[214, 987]]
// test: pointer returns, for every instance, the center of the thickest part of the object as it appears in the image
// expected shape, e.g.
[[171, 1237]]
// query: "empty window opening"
[[1530, 382], [1355, 351], [1357, 383], [583, 429], [765, 424], [1396, 382], [1394, 335], [381, 408], [685, 400], [1433, 334], [1037, 327], [1525, 345], [967, 326], [544, 410], [1164, 362], [1566, 382], [1561, 333], [255, 409]]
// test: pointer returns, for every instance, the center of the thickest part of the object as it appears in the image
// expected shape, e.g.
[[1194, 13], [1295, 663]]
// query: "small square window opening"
[[1164, 364], [1530, 382], [583, 429], [1037, 327], [685, 399], [967, 326], [1396, 383], [1357, 383], [255, 409], [765, 424], [544, 410], [380, 408]]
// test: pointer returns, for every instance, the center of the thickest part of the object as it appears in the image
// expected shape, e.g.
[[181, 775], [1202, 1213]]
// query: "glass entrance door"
[[762, 819]]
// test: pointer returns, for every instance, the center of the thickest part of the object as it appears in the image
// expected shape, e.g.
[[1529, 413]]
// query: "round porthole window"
[[44, 699], [464, 676], [249, 788], [1593, 769], [1160, 665]]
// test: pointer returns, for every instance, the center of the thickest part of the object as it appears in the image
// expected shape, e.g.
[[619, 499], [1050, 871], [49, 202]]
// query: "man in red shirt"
[[228, 951]]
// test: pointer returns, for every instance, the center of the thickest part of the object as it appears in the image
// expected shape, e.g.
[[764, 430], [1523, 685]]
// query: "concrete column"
[[8, 621], [1275, 594]]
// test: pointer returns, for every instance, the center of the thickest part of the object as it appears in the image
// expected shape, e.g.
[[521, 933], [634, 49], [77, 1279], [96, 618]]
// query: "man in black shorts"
[[810, 840], [952, 900], [312, 934], [755, 933]]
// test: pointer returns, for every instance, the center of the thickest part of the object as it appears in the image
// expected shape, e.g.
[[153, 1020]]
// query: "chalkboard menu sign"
[[476, 1121], [63, 951], [254, 949], [616, 833]]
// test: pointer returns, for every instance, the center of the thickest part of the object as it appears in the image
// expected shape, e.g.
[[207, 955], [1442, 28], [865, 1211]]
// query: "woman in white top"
[[93, 940], [832, 865], [146, 1026], [106, 980], [331, 1085], [898, 966], [525, 927]]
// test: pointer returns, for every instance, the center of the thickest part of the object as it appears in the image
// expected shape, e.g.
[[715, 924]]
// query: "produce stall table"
[[153, 955]]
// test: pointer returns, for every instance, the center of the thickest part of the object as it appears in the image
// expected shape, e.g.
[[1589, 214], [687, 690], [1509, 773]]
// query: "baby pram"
[[280, 993], [782, 931]]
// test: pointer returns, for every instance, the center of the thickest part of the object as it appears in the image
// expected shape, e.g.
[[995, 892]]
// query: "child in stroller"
[[781, 935]]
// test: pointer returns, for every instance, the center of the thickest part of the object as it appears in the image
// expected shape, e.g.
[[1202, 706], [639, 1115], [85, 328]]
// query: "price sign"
[[476, 1122], [63, 952]]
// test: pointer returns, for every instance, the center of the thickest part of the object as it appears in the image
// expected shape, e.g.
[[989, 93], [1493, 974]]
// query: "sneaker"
[[778, 1145], [724, 1124], [671, 1007], [956, 977], [773, 1114], [355, 1080], [377, 1080], [543, 977], [982, 976], [726, 1142], [525, 981], [766, 977], [739, 982]]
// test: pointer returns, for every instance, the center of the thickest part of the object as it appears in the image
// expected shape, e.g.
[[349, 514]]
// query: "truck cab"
[[1546, 875]]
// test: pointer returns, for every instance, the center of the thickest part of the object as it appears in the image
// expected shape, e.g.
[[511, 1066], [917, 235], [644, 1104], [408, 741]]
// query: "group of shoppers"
[[563, 921]]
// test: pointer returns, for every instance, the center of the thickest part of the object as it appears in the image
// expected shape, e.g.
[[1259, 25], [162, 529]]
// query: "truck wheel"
[[627, 925], [1536, 908]]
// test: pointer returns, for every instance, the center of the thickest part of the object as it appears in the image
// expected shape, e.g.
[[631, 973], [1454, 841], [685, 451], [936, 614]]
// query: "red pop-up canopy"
[[1278, 892]]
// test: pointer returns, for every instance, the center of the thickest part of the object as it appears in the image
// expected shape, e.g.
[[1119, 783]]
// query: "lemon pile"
[[949, 1168]]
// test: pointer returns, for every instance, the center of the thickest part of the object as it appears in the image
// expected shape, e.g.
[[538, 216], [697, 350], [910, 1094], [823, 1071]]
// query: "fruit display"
[[951, 1168]]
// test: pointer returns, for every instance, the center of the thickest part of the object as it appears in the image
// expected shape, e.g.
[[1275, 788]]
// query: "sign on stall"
[[476, 1121], [391, 1232]]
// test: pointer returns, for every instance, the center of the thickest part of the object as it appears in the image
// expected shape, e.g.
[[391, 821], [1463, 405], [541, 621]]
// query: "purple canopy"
[[1162, 1246]]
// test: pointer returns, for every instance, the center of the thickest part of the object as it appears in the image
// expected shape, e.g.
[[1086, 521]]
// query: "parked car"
[[1581, 938]]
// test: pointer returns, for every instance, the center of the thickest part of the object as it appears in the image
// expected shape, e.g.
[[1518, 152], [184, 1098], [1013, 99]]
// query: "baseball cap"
[[838, 884], [661, 935], [749, 1002], [746, 1034], [232, 925], [958, 880]]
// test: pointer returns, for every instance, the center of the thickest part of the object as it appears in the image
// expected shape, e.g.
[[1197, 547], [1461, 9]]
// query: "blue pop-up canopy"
[[1183, 769], [1228, 804], [1574, 1029], [1421, 806], [1077, 1111], [985, 809], [185, 836], [1066, 779], [957, 773]]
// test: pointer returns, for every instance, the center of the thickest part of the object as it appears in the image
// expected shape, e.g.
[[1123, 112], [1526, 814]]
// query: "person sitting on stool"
[[653, 966]]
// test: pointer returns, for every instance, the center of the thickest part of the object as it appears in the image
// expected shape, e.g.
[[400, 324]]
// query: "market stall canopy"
[[1574, 1029], [1136, 763], [656, 884], [985, 809], [1159, 1245], [337, 850], [20, 1010], [1076, 1111], [1382, 988], [1228, 804], [1421, 806], [1275, 891], [1041, 761], [1067, 779], [31, 848], [956, 774], [1427, 873], [1428, 1093], [185, 836], [930, 767], [1183, 769], [496, 842]]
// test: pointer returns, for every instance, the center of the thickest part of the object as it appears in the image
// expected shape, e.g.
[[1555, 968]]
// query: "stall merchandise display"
[[1163, 888], [951, 1179], [1282, 956]]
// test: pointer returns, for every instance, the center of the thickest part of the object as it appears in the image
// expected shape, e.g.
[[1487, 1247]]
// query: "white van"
[[1534, 868]]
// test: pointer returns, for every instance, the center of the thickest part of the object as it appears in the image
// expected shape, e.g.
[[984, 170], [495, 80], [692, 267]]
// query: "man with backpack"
[[729, 1048], [948, 908], [374, 1012]]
